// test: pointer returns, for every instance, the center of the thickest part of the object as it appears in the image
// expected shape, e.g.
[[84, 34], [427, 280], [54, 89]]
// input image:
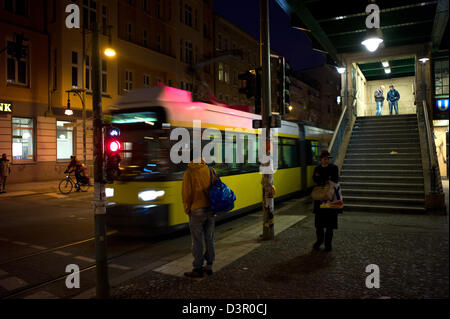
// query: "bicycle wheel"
[[65, 186], [84, 187]]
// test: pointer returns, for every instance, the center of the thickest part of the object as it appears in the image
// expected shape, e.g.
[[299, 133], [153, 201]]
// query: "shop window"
[[23, 138], [64, 138]]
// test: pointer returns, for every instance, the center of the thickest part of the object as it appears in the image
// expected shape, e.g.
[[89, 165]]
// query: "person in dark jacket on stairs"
[[325, 218]]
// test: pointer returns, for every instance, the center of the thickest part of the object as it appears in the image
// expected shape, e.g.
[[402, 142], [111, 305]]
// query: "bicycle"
[[66, 185]]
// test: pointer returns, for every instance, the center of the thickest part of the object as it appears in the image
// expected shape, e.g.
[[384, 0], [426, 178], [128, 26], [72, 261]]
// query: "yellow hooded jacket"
[[196, 184]]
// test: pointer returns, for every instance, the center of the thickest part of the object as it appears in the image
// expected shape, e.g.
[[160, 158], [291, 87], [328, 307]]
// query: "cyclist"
[[80, 171]]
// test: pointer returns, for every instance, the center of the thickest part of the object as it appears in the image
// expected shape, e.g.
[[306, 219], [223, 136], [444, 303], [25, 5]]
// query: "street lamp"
[[68, 110], [109, 52], [372, 41], [340, 70]]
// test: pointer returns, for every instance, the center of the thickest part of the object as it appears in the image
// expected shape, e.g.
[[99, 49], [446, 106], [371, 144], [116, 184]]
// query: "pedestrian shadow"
[[304, 264]]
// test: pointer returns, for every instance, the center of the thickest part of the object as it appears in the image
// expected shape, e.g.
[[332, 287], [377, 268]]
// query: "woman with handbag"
[[325, 218]]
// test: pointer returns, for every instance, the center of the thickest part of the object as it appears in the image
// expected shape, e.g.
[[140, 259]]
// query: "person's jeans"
[[379, 108], [395, 105], [2, 183], [202, 224]]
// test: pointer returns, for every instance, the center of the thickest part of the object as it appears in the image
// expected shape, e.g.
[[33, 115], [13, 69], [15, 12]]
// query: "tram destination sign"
[[5, 107]]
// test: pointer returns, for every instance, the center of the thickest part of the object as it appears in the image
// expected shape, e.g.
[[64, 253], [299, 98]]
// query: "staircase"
[[373, 178]]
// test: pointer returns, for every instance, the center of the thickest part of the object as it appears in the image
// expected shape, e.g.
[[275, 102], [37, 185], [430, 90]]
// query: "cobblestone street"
[[410, 250]]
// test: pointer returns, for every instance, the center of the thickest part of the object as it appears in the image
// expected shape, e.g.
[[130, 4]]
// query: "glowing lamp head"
[[340, 70], [110, 52], [114, 146], [68, 112], [372, 44]]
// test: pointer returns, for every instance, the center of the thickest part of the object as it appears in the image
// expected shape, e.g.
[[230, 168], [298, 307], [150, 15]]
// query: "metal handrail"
[[333, 140], [430, 150]]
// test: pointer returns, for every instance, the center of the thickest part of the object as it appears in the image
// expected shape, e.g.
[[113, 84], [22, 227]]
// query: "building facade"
[[156, 42]]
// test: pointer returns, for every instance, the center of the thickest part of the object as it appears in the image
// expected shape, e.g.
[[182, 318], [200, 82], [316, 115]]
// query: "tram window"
[[288, 153]]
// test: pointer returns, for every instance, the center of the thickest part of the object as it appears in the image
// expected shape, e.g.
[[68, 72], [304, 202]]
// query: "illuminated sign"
[[6, 107], [442, 105]]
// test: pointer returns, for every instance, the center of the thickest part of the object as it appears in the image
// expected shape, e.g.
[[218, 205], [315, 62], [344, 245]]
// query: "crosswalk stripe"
[[116, 266], [12, 283], [38, 247], [61, 253], [90, 260], [41, 295]]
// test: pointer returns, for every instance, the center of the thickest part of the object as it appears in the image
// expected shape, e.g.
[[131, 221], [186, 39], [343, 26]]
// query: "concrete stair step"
[[383, 131], [363, 149], [383, 208], [378, 140], [383, 145], [375, 200], [399, 185], [381, 179], [382, 172], [381, 166], [383, 117], [381, 156], [385, 135], [396, 193]]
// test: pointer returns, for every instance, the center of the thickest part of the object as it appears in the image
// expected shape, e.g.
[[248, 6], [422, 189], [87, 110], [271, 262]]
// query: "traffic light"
[[250, 83], [252, 86], [283, 89], [112, 150]]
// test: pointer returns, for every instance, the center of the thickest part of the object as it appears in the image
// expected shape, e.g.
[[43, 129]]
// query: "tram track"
[[30, 288]]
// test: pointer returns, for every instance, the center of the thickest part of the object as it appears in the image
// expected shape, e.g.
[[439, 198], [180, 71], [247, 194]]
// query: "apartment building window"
[[181, 50], [19, 7], [88, 72], [89, 14], [129, 32], [158, 9], [235, 78], [104, 76], [188, 15], [219, 42], [17, 71], [23, 139], [64, 140], [105, 19], [225, 44], [158, 42], [196, 18], [130, 2], [128, 80], [146, 81], [170, 46], [145, 38], [188, 52], [145, 5], [169, 10], [227, 74], [55, 69], [220, 73], [74, 69], [181, 11]]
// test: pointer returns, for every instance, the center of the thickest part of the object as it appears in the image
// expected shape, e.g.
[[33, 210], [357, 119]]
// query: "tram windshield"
[[145, 148]]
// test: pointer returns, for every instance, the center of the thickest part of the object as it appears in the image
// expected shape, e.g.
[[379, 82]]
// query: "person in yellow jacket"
[[195, 194]]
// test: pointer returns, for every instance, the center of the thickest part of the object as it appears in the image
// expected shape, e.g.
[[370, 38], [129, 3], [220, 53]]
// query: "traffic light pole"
[[99, 183], [267, 180]]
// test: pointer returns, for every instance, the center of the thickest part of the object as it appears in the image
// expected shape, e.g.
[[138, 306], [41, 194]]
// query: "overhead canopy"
[[339, 26], [398, 68]]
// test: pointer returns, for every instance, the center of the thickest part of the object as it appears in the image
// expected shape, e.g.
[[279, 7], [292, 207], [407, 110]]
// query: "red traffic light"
[[114, 146]]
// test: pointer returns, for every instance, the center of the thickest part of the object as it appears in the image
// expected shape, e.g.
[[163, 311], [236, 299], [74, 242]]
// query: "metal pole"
[[267, 180], [99, 186], [83, 77]]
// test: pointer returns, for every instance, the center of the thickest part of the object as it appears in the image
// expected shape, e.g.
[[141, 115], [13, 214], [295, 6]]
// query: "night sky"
[[291, 43]]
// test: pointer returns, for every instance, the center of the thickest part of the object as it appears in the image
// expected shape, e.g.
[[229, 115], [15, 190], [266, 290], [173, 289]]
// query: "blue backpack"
[[221, 197]]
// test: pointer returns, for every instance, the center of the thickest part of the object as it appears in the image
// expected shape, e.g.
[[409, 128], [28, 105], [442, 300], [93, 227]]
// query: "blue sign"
[[442, 105], [114, 132]]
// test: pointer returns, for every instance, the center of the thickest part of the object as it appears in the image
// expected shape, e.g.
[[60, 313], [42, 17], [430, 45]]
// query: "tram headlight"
[[109, 192], [147, 196]]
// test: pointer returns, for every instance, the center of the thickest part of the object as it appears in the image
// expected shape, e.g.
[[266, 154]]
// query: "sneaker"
[[316, 246], [195, 273], [328, 248]]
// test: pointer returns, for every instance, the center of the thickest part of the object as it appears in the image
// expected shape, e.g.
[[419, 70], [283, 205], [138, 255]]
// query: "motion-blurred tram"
[[145, 197]]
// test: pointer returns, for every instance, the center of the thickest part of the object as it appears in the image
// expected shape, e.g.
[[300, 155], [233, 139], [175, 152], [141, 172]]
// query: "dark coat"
[[325, 217]]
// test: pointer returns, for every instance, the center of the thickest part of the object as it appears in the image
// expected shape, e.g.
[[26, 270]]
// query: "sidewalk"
[[411, 252], [30, 188]]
